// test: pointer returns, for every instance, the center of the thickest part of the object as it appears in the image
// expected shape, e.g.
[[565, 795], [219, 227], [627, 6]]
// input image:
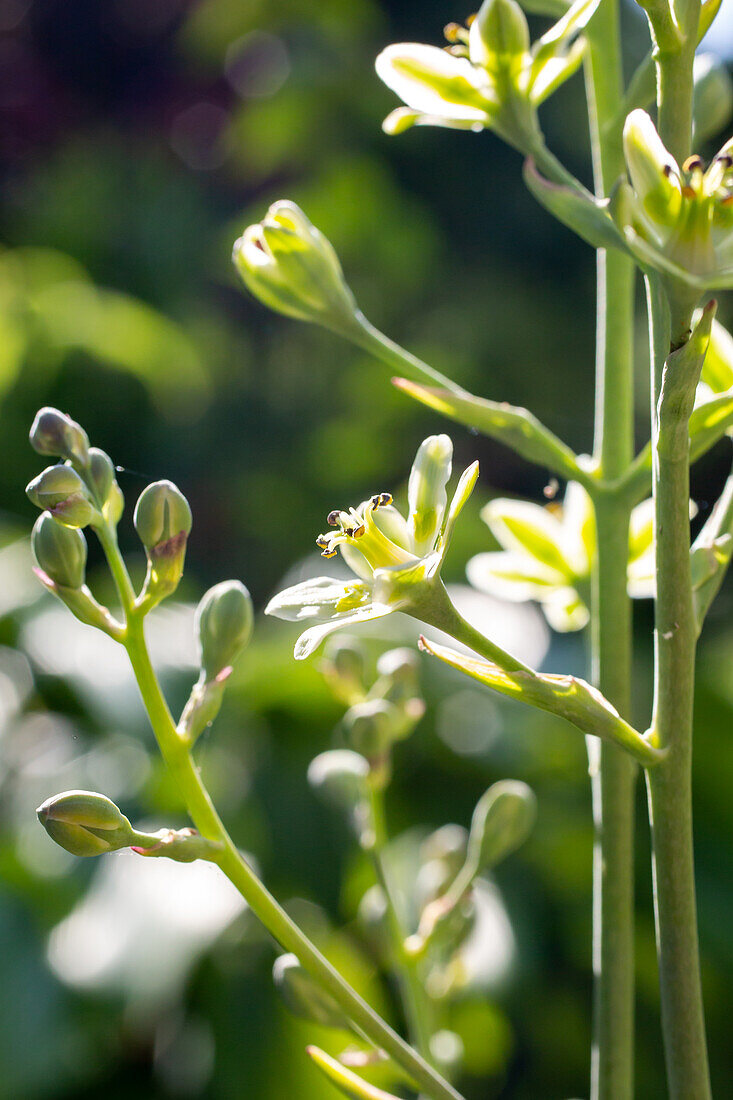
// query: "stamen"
[[694, 163], [329, 553], [332, 519], [726, 160], [357, 532], [452, 31], [381, 500], [323, 542]]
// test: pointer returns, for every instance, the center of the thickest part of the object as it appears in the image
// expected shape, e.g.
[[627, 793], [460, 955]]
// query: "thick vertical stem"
[[675, 639], [669, 785], [612, 772]]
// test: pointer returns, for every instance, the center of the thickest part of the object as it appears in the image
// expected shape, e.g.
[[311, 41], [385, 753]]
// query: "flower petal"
[[434, 82], [464, 488], [512, 576], [530, 529], [426, 494], [309, 641], [565, 611], [320, 598]]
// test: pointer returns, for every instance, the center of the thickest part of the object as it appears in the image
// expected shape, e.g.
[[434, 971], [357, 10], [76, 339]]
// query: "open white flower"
[[396, 560], [491, 76], [676, 219], [548, 553]]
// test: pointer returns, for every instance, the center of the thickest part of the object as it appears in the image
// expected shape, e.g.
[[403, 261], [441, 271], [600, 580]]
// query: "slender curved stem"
[[178, 758], [406, 967], [613, 772]]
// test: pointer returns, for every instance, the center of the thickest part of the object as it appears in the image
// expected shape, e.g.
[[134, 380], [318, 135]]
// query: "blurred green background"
[[136, 140]]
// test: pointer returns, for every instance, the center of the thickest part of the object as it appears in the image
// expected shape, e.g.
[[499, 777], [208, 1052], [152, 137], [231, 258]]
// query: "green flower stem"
[[669, 786], [414, 999], [675, 639], [612, 771], [366, 336], [186, 775]]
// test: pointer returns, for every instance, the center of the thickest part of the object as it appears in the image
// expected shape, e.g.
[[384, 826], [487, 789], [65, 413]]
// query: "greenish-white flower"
[[676, 219], [395, 560], [548, 553], [490, 77], [291, 267]]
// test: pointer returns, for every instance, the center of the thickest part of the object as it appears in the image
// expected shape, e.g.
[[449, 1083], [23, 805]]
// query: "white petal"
[[317, 599], [510, 576], [308, 642], [434, 82]]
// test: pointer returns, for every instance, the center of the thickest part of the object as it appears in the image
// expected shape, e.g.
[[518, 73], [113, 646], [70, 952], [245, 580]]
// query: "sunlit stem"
[[612, 771], [415, 1001], [177, 755]]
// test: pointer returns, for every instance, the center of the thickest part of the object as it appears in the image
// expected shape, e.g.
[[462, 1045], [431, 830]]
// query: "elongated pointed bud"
[[291, 267], [502, 820], [55, 433], [224, 623], [85, 823], [426, 492], [303, 996], [61, 491], [163, 522], [60, 552]]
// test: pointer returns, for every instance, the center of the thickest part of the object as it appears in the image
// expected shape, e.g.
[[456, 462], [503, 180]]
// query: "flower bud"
[[163, 522], [343, 667], [60, 551], [85, 823], [502, 820], [712, 104], [303, 996], [372, 726], [101, 473], [61, 491], [224, 622], [340, 777], [55, 433], [291, 267]]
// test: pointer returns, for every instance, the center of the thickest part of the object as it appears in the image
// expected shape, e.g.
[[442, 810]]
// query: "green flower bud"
[[107, 491], [85, 823], [101, 473], [303, 996], [712, 104], [163, 522], [291, 267], [61, 491], [340, 777], [501, 822], [343, 667], [55, 433], [224, 622], [372, 726], [60, 552]]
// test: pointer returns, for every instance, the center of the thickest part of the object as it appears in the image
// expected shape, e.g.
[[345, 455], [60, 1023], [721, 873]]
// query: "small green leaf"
[[588, 218], [566, 696], [345, 1081], [501, 822]]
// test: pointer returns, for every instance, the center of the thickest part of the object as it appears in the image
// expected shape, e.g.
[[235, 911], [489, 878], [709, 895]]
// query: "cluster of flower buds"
[[80, 491], [85, 823], [490, 76], [224, 624]]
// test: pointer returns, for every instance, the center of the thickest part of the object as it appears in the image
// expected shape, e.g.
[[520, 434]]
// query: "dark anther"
[[332, 519], [693, 164], [381, 500]]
